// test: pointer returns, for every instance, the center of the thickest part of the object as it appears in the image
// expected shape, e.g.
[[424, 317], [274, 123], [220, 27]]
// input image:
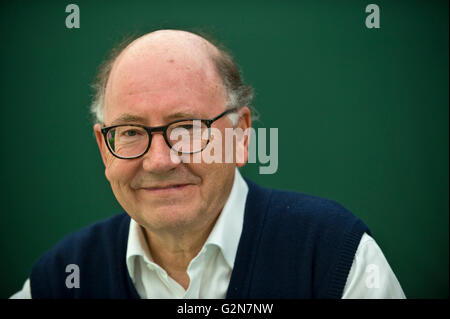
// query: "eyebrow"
[[128, 118], [132, 118]]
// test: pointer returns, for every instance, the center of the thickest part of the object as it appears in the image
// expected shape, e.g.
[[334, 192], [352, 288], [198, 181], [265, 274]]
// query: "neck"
[[174, 251]]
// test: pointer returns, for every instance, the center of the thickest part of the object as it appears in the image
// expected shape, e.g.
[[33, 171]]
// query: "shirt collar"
[[225, 234], [136, 247]]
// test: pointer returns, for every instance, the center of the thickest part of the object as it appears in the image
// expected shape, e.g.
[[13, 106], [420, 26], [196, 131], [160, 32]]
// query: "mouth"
[[166, 188]]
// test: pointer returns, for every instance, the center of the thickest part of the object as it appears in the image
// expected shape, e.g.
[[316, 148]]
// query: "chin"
[[170, 216]]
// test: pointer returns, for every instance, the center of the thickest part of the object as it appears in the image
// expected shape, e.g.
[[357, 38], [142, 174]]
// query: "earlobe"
[[245, 123], [245, 118], [100, 144]]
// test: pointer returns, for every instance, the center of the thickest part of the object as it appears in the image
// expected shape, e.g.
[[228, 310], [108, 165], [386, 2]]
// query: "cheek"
[[120, 174], [119, 171], [212, 175]]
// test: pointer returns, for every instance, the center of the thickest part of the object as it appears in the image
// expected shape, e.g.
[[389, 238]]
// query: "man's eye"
[[130, 133]]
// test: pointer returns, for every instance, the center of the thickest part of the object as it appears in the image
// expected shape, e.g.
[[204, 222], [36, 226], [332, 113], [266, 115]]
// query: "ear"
[[245, 124], [100, 142]]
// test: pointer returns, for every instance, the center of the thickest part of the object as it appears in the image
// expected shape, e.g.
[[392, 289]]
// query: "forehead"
[[156, 84]]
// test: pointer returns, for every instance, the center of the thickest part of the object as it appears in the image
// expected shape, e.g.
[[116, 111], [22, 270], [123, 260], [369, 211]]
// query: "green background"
[[362, 116]]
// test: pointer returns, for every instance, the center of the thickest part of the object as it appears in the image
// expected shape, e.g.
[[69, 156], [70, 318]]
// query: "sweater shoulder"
[[97, 251], [78, 245], [310, 239], [310, 209], [106, 228]]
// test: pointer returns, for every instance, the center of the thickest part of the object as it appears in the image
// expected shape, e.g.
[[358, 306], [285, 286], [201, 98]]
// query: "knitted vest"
[[292, 245]]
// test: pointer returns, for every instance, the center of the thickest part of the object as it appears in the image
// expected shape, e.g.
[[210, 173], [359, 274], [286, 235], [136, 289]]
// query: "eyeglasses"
[[188, 136]]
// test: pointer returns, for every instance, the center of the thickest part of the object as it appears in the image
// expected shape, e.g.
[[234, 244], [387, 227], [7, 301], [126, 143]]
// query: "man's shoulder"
[[292, 205], [97, 251], [80, 243], [309, 239], [106, 228]]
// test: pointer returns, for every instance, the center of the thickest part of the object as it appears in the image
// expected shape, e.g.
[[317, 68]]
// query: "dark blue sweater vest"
[[292, 245]]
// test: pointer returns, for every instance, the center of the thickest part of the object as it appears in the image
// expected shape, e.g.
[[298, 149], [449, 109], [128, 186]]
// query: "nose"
[[158, 159]]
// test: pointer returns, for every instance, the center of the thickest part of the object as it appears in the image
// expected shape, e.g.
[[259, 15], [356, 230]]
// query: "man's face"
[[156, 89]]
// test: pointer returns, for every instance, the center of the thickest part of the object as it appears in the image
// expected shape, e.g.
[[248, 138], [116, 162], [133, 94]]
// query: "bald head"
[[167, 40], [168, 59], [168, 49], [165, 61]]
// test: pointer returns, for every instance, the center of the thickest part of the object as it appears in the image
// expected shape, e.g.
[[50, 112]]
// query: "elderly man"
[[196, 229]]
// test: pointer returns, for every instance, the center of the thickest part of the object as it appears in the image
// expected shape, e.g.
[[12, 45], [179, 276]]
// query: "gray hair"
[[239, 94]]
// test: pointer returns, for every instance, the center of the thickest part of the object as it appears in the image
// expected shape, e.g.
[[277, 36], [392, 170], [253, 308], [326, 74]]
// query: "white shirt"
[[209, 272]]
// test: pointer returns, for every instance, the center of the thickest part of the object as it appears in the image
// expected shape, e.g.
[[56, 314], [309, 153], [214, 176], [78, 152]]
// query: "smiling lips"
[[166, 187]]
